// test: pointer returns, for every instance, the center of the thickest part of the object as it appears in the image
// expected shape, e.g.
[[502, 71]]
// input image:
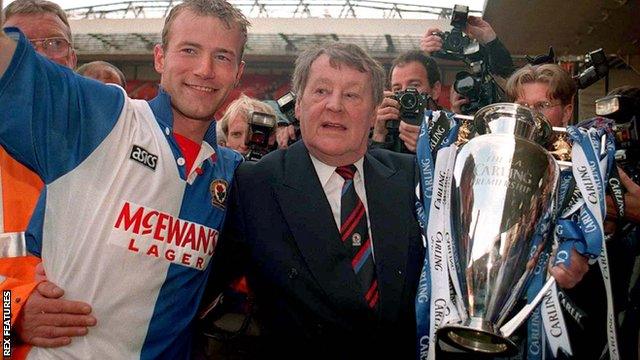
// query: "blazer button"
[[399, 272], [293, 273]]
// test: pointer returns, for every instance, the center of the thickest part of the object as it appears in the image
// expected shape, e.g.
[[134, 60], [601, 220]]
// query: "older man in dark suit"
[[325, 230]]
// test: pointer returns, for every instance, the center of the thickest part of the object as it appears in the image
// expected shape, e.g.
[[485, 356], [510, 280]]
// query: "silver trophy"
[[504, 183]]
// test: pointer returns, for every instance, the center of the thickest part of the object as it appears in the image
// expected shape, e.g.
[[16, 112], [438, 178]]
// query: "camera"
[[287, 105], [597, 67], [455, 43], [412, 105], [477, 84], [478, 87], [261, 126], [625, 112]]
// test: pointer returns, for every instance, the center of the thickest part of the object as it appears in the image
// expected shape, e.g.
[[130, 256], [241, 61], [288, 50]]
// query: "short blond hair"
[[37, 7], [220, 9], [561, 86], [242, 106]]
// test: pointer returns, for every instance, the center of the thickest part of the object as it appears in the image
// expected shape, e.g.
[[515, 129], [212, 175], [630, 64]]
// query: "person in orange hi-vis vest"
[[45, 24]]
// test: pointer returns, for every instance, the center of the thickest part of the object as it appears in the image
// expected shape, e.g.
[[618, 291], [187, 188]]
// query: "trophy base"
[[476, 335]]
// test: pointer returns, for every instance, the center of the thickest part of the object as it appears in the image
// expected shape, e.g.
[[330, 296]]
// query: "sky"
[[473, 4]]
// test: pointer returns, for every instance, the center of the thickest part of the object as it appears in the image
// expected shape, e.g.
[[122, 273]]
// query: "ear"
[[73, 58], [297, 110], [158, 58], [374, 116], [239, 74], [567, 114], [435, 90]]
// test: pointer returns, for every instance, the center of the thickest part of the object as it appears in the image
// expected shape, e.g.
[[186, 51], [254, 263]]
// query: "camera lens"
[[465, 84], [408, 101], [455, 41]]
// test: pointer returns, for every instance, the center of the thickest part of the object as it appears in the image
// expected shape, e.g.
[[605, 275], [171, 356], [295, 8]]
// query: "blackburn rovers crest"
[[218, 190]]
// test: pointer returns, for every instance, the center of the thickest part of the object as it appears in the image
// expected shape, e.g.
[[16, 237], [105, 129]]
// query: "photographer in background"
[[416, 69], [412, 69], [547, 89], [236, 127], [500, 61], [498, 57]]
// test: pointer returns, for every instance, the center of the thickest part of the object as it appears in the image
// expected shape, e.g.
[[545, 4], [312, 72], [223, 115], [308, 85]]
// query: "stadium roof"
[[267, 36], [282, 28], [414, 9]]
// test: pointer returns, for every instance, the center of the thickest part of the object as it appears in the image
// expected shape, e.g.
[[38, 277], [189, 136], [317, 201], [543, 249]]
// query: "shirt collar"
[[161, 107], [325, 171]]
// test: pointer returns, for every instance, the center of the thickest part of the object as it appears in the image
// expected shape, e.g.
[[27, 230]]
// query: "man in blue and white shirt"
[[135, 192]]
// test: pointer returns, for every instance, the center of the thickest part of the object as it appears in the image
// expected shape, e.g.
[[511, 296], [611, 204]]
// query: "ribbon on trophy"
[[581, 216], [438, 300], [535, 347], [547, 318]]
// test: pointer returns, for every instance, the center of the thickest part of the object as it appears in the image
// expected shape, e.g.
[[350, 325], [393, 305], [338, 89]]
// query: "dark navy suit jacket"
[[281, 233]]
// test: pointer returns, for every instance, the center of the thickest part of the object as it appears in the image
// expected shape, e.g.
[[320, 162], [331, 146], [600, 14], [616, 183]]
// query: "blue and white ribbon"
[[581, 220], [434, 306]]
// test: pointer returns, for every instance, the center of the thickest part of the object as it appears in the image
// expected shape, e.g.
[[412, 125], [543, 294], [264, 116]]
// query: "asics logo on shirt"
[[144, 157]]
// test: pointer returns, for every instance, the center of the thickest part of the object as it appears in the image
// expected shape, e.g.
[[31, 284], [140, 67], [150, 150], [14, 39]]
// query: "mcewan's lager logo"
[[147, 231]]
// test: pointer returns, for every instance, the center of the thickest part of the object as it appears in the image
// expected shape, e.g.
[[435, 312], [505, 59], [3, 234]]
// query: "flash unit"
[[262, 119], [607, 105]]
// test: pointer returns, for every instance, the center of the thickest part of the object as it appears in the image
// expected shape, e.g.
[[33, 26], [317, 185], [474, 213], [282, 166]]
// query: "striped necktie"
[[354, 234]]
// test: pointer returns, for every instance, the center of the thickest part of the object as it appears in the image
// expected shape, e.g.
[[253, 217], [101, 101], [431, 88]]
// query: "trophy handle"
[[512, 325], [560, 147]]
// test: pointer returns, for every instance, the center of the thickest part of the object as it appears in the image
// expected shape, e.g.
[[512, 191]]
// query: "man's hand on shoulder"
[[48, 320]]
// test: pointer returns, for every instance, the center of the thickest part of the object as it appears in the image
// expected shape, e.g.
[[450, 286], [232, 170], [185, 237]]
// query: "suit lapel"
[[308, 213], [389, 227]]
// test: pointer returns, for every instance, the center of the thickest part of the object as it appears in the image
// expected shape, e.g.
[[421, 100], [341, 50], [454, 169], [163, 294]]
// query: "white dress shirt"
[[332, 183]]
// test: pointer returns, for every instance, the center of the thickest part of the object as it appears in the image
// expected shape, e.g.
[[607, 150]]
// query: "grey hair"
[[37, 7], [350, 55]]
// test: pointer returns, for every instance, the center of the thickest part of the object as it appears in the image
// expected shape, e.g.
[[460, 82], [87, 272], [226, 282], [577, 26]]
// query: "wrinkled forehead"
[[328, 69]]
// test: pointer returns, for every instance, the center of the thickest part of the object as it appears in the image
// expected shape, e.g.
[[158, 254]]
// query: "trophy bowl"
[[503, 186]]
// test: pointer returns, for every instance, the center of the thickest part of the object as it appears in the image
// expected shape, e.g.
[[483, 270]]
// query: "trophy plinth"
[[479, 336]]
